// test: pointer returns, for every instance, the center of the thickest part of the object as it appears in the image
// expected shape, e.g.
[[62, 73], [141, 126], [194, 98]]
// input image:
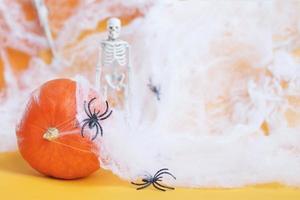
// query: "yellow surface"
[[19, 181]]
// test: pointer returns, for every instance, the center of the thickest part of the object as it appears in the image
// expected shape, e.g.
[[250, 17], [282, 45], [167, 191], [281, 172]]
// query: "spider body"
[[155, 180], [93, 121], [155, 89], [94, 118]]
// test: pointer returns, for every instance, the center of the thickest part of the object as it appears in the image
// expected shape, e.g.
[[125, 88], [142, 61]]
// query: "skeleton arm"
[[129, 64], [98, 67], [129, 77]]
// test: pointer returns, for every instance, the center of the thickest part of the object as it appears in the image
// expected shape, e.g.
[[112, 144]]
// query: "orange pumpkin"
[[49, 136]]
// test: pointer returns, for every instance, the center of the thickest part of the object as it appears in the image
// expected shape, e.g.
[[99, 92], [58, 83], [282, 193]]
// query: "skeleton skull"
[[113, 28]]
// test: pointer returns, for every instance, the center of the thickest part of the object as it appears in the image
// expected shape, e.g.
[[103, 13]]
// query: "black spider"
[[154, 180], [155, 89], [94, 118]]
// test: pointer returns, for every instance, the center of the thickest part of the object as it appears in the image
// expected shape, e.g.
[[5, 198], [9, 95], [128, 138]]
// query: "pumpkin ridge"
[[74, 148], [38, 127], [61, 125]]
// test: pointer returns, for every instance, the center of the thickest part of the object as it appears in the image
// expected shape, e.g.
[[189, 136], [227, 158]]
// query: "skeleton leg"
[[98, 79], [99, 71], [109, 81], [105, 92], [127, 106], [121, 82], [128, 99]]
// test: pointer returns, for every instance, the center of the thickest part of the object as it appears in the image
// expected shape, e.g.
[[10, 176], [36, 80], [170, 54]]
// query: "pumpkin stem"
[[51, 134]]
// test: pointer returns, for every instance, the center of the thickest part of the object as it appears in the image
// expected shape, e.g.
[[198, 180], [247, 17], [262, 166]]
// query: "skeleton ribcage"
[[114, 52]]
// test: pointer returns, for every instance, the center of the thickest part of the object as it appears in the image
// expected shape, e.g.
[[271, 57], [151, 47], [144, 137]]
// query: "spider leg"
[[163, 169], [103, 118], [146, 185], [89, 105], [139, 184], [158, 96], [161, 189], [159, 178], [65, 122], [82, 128], [97, 131], [101, 130], [163, 186], [105, 109], [86, 111], [97, 112], [85, 120], [161, 173], [148, 176]]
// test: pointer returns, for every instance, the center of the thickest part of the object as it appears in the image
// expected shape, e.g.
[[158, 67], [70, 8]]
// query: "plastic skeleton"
[[42, 12], [113, 73]]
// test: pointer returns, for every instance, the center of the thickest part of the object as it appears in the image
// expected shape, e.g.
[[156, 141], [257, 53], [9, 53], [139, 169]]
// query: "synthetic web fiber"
[[229, 79]]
